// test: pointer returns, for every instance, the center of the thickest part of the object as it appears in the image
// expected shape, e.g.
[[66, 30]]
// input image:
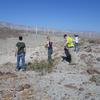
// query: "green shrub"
[[42, 66]]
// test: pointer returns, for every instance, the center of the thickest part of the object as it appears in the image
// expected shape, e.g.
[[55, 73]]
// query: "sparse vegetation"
[[42, 66]]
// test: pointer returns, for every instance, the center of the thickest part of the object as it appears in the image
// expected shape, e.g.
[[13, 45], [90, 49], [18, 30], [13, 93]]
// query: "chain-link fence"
[[47, 31], [90, 35]]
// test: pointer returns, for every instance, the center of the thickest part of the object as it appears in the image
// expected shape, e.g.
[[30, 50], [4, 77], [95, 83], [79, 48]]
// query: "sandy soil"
[[80, 81]]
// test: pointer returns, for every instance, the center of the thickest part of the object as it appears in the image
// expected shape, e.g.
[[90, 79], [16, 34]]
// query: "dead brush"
[[42, 66]]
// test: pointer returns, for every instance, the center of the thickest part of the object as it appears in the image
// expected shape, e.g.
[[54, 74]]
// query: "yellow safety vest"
[[69, 42]]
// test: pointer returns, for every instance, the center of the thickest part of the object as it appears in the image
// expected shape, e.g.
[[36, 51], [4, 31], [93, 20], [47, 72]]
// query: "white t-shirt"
[[76, 39]]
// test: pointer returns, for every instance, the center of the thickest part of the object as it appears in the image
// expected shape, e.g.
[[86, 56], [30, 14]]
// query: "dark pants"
[[20, 61], [50, 51], [66, 58]]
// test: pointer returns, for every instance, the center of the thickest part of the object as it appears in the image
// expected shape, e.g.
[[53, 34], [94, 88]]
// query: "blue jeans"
[[50, 51], [76, 47], [20, 61]]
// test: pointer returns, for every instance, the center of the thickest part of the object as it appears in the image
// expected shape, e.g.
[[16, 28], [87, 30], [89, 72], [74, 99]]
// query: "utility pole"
[[36, 31]]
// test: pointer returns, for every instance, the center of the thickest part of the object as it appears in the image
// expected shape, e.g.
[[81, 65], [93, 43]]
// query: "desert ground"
[[78, 81]]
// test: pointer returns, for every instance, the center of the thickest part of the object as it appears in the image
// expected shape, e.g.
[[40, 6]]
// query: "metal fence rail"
[[59, 32], [46, 31]]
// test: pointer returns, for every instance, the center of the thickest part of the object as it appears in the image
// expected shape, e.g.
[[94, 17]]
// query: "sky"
[[67, 15]]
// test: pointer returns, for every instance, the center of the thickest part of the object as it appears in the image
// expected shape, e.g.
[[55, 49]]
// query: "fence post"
[[36, 31]]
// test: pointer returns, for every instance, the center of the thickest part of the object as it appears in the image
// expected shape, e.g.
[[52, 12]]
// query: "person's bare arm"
[[65, 43], [16, 51], [25, 50], [46, 44]]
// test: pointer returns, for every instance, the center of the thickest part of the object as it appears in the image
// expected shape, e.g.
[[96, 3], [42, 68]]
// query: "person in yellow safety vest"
[[68, 41]]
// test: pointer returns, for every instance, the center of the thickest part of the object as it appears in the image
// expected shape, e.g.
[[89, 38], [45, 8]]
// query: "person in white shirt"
[[76, 43]]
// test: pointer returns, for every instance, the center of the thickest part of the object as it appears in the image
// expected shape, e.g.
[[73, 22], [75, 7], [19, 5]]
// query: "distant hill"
[[12, 30]]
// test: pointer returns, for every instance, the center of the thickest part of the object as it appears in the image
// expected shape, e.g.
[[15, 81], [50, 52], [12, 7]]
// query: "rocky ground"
[[79, 81]]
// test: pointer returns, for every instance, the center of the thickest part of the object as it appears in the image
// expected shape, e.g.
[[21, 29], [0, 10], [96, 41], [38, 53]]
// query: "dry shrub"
[[98, 41], [42, 66], [94, 41]]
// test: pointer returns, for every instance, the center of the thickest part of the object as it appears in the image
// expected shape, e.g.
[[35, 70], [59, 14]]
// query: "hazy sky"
[[76, 15]]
